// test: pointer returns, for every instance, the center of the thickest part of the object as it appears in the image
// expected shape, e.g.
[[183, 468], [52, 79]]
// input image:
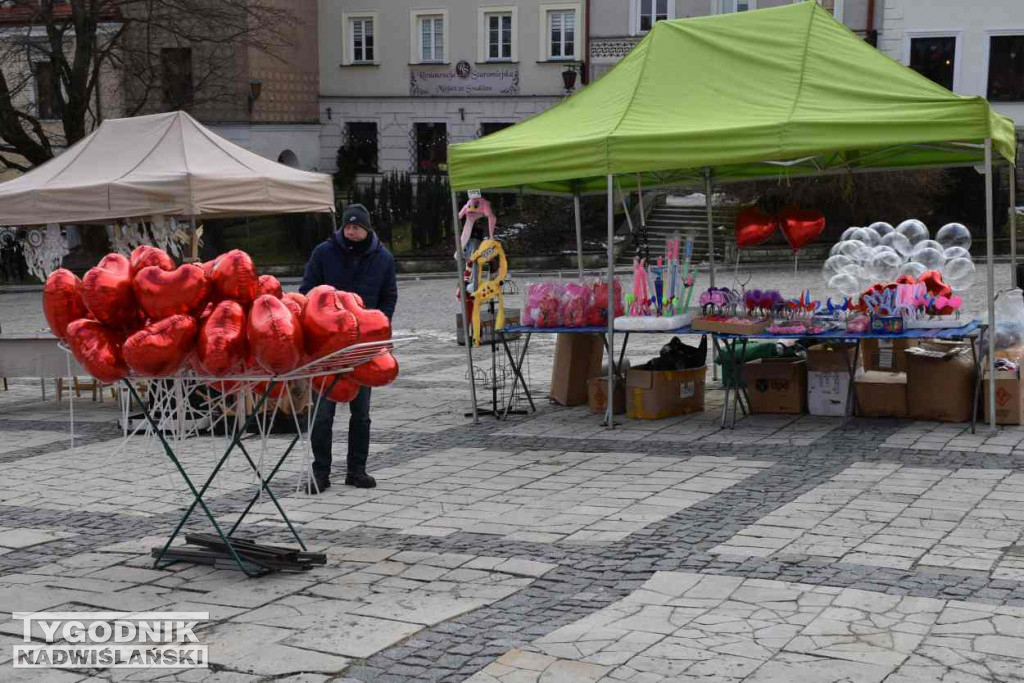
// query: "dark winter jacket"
[[371, 274]]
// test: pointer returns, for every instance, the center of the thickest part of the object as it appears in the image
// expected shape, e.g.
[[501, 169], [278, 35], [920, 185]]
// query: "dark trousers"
[[322, 434]]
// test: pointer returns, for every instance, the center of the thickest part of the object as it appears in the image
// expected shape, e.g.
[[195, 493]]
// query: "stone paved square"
[[791, 549]]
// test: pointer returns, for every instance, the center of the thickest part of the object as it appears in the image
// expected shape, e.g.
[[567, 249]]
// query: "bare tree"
[[64, 62]]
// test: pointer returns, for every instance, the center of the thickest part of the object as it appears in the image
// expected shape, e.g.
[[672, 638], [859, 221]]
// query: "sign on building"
[[464, 80]]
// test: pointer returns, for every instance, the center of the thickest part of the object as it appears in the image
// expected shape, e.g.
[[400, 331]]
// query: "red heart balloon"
[[373, 324], [296, 302], [933, 282], [145, 256], [327, 324], [98, 349], [754, 227], [275, 335], [107, 291], [268, 284], [343, 391], [160, 349], [223, 342], [62, 301], [800, 228], [234, 277], [162, 293], [383, 369]]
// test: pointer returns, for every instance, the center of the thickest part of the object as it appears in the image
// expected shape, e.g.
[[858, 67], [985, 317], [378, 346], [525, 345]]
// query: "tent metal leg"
[[463, 297], [990, 244], [609, 414], [579, 233], [711, 255], [1013, 226]]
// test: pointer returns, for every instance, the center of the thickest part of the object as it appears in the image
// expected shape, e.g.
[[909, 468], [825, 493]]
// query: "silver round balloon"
[[836, 249], [931, 259], [913, 269], [898, 242], [882, 228], [954, 235], [859, 272], [848, 233], [835, 265], [863, 255], [914, 230], [873, 238], [959, 273], [884, 266], [858, 234], [850, 247], [845, 284], [927, 244], [957, 252]]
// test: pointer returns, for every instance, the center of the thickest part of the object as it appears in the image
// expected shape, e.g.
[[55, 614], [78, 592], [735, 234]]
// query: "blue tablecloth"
[[944, 333]]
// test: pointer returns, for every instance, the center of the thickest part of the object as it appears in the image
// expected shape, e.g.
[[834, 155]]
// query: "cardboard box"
[[885, 355], [577, 359], [881, 393], [512, 318], [940, 381], [777, 385], [830, 358], [1009, 398], [652, 395], [731, 326], [597, 395], [828, 392]]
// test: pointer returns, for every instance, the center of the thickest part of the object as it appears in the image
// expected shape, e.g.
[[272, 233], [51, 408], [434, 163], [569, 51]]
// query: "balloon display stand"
[[170, 417]]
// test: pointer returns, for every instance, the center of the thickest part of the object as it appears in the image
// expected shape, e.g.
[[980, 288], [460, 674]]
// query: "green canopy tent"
[[776, 93]]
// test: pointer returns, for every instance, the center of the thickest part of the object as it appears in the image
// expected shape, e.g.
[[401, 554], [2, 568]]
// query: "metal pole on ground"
[[640, 201], [463, 297], [1013, 225], [990, 244], [711, 226], [579, 233], [609, 414], [711, 255]]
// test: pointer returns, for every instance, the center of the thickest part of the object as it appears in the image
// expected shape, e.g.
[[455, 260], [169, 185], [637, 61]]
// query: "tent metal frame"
[[705, 175]]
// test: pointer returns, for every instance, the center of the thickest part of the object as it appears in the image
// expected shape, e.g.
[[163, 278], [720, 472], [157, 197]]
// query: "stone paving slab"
[[542, 496], [689, 627], [900, 517]]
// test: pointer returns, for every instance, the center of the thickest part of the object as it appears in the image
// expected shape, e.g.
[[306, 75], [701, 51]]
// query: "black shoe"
[[321, 485], [361, 480]]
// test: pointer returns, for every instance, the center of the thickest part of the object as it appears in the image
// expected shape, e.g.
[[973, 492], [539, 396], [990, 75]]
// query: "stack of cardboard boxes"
[[881, 384]]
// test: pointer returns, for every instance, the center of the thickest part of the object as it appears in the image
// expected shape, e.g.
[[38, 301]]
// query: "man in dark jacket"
[[353, 260]]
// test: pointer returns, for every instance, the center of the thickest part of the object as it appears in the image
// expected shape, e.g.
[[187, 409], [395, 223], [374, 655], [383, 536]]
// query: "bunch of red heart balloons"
[[800, 228], [144, 315]]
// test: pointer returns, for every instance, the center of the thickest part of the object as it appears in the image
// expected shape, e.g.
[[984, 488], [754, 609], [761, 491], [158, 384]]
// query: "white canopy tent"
[[159, 165]]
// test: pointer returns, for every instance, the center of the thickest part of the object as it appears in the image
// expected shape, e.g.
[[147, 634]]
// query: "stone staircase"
[[665, 221]]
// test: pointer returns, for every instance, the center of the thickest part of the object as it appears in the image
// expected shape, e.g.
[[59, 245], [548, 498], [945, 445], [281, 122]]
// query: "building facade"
[[971, 48], [401, 79], [618, 25]]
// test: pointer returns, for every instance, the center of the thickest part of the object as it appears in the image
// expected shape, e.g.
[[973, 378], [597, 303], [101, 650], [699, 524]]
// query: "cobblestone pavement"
[[542, 548]]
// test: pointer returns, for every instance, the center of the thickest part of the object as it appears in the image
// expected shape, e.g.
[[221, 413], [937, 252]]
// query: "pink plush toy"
[[474, 209]]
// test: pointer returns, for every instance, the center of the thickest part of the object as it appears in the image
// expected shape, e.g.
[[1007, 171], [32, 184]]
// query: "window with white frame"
[[649, 12], [499, 36], [431, 37], [562, 34], [361, 40], [1006, 68], [934, 57]]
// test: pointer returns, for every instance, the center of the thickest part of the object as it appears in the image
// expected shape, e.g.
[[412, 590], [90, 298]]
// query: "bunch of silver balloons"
[[879, 253]]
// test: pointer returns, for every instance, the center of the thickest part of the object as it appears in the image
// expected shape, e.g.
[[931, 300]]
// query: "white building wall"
[[381, 92], [972, 23]]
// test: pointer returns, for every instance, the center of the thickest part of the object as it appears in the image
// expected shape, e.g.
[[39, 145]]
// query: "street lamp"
[[569, 78]]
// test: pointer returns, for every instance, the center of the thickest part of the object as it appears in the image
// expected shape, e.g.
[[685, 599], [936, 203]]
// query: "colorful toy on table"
[[797, 316], [543, 305], [577, 304], [599, 312]]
